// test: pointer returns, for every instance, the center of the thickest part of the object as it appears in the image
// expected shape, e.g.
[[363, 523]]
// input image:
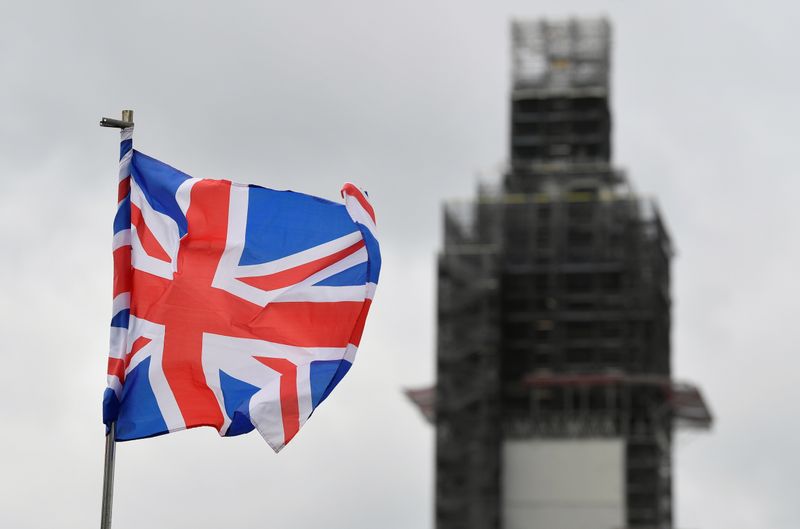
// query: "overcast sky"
[[410, 100]]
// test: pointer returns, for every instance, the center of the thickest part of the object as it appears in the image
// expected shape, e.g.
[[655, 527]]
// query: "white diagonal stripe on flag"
[[299, 258]]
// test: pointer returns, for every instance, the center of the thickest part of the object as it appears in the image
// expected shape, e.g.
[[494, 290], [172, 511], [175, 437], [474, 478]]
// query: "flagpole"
[[126, 126], [108, 477]]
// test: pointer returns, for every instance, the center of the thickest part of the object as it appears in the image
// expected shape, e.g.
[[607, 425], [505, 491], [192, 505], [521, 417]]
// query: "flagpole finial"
[[124, 123]]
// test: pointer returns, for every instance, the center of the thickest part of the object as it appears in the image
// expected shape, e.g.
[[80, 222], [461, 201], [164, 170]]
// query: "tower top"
[[561, 55]]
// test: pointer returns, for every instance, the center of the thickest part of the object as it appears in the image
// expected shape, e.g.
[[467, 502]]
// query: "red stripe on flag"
[[122, 270], [146, 237], [123, 188], [301, 323], [290, 409], [183, 369], [116, 367], [138, 343], [306, 324], [191, 307], [294, 275], [355, 339], [356, 193]]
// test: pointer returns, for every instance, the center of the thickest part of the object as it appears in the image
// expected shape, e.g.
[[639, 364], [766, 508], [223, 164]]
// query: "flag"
[[235, 306]]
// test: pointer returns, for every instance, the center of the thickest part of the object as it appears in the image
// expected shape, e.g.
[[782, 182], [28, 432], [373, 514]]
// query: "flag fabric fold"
[[235, 306]]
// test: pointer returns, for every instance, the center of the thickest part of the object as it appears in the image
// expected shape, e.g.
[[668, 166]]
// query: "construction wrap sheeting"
[[564, 484]]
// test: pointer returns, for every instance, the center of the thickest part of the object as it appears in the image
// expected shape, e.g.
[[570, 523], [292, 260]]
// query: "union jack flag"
[[235, 306]]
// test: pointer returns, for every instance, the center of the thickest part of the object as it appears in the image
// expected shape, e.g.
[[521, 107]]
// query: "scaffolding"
[[553, 297], [559, 104], [467, 399]]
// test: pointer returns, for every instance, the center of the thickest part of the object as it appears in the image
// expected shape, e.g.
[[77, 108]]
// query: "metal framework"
[[554, 300]]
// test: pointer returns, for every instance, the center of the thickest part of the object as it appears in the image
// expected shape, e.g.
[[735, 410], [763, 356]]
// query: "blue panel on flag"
[[236, 395], [139, 414], [356, 275], [110, 406], [325, 375], [121, 318], [122, 220], [124, 147], [280, 223], [159, 183]]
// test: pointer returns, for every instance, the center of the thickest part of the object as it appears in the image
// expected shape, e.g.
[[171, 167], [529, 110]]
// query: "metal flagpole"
[[126, 126], [108, 477]]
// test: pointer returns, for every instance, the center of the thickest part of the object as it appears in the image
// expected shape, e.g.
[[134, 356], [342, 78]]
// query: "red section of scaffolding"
[[687, 403], [425, 400]]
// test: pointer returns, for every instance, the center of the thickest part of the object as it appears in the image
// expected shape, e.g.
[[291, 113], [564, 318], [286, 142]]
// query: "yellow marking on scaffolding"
[[539, 198], [577, 196], [516, 198]]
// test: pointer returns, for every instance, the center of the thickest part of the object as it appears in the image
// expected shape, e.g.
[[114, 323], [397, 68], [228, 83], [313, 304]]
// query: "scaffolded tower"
[[555, 405]]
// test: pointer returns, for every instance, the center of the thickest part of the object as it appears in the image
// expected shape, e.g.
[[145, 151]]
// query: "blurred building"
[[555, 406]]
